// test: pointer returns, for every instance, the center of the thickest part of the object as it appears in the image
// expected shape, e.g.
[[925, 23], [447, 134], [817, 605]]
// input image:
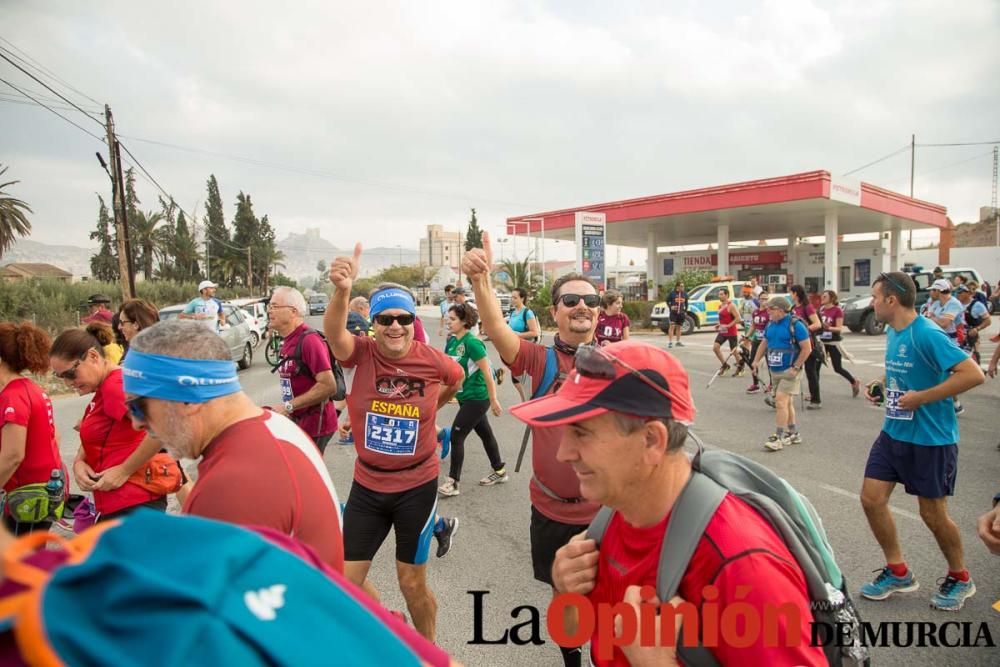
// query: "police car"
[[702, 306]]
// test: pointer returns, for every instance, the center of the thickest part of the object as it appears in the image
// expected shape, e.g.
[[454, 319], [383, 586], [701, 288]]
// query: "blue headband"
[[392, 297], [178, 379]]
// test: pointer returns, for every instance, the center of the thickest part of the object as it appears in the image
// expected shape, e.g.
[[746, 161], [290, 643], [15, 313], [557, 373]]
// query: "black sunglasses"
[[70, 373], [593, 362], [570, 300], [385, 320]]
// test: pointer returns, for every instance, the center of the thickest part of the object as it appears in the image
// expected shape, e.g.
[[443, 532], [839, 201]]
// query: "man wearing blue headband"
[[399, 385], [257, 468]]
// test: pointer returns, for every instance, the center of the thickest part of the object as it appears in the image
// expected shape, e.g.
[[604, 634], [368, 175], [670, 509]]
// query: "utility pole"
[[125, 269], [208, 258], [913, 164], [993, 199], [249, 271]]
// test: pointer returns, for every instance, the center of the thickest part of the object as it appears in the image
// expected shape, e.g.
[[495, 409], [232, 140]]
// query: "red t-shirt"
[[727, 321], [396, 402], [611, 327], [22, 402], [829, 315], [264, 471], [315, 420], [103, 315], [108, 439], [558, 477], [760, 319], [739, 549]]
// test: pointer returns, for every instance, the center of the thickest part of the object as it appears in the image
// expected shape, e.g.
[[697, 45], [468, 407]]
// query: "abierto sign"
[[590, 246], [845, 190]]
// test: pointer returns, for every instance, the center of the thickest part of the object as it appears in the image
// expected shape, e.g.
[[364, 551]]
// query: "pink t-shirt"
[[556, 476], [393, 407], [315, 420], [610, 328]]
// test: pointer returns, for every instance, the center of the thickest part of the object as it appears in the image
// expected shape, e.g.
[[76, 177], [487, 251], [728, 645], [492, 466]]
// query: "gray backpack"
[[790, 513]]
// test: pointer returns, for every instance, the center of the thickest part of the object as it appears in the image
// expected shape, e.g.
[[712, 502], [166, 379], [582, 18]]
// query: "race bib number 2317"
[[394, 436]]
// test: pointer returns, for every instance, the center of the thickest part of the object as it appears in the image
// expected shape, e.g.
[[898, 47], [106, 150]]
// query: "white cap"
[[941, 285], [205, 284]]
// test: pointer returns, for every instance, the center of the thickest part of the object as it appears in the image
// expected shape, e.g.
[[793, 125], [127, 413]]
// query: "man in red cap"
[[626, 409]]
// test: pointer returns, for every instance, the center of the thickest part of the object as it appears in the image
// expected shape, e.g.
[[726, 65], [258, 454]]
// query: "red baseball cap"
[[629, 377]]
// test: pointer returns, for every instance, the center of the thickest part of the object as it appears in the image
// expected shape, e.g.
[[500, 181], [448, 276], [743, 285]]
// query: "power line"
[[955, 164], [39, 96], [14, 99], [3, 54], [28, 60], [80, 127], [966, 143], [881, 159]]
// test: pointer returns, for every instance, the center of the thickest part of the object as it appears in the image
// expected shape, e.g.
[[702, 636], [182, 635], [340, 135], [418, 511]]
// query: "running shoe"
[[670, 345], [754, 389], [449, 489], [769, 399], [855, 388], [740, 372], [444, 437], [495, 477], [499, 374], [775, 443], [723, 370], [448, 528], [793, 438], [959, 409], [812, 405], [952, 593], [886, 583], [680, 344]]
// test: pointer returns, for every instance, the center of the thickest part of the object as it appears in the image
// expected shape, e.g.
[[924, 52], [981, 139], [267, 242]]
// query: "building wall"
[[984, 260], [440, 248]]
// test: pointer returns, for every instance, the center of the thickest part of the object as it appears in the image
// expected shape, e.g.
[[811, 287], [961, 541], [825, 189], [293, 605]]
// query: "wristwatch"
[[289, 408], [796, 368]]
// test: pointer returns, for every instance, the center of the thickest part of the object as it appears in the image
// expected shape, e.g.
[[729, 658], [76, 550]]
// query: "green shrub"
[[541, 304], [690, 278], [639, 312]]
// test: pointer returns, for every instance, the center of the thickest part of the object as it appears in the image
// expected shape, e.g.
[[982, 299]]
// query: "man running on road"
[[257, 468], [918, 445], [399, 385], [558, 509]]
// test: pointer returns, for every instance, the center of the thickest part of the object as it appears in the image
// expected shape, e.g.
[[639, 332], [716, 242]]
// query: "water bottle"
[[55, 487]]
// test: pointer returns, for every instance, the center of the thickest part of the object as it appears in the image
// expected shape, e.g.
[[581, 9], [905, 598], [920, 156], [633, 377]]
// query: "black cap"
[[95, 299]]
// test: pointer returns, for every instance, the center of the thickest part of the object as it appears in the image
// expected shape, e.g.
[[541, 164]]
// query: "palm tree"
[[518, 274], [13, 221], [146, 239]]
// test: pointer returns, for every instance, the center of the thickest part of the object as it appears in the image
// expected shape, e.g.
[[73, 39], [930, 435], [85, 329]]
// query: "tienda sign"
[[738, 257]]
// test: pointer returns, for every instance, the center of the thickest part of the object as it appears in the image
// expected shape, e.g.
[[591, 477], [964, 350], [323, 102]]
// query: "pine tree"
[[266, 254], [104, 265], [474, 235], [216, 233], [185, 250], [246, 230]]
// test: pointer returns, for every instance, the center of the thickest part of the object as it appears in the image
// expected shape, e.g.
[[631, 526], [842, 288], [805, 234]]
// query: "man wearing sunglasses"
[[558, 508], [624, 414], [399, 385], [918, 444], [257, 468]]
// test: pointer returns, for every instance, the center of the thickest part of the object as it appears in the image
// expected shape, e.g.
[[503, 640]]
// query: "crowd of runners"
[[608, 419]]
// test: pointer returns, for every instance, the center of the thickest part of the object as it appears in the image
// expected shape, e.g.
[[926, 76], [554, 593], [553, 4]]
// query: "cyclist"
[[399, 385]]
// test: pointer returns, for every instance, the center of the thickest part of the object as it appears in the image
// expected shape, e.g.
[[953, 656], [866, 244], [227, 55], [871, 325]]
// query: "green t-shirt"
[[467, 350]]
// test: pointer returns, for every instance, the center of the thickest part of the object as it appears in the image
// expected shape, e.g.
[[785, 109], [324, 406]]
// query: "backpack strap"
[[599, 524], [548, 379], [689, 517]]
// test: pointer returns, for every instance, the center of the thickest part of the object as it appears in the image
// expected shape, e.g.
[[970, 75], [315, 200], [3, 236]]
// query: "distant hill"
[[74, 259], [303, 251], [975, 234]]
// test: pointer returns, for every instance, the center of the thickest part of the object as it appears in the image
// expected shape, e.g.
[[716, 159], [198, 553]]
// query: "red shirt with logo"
[[264, 471], [829, 315], [108, 439], [393, 406], [22, 402], [760, 320], [740, 554], [610, 328], [556, 476], [315, 420]]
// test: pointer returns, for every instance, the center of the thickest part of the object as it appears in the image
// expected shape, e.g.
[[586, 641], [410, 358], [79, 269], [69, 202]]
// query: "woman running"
[[803, 310], [612, 324], [832, 317], [524, 323], [477, 397]]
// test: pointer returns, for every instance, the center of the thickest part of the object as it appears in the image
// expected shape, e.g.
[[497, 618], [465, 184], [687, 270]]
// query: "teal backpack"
[[155, 589], [714, 473]]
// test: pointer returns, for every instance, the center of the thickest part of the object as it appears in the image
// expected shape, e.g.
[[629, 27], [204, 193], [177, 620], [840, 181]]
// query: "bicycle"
[[272, 353]]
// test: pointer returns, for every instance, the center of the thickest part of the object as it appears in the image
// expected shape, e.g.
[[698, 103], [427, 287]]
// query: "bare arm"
[[477, 265], [994, 360], [814, 323], [838, 325], [14, 437], [964, 376], [625, 333], [805, 349], [343, 271], [534, 330], [113, 477], [491, 385], [325, 387], [447, 392]]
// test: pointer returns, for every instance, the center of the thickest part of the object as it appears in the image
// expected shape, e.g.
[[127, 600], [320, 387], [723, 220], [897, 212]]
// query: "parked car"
[[702, 306], [257, 309], [236, 332], [860, 316], [317, 304]]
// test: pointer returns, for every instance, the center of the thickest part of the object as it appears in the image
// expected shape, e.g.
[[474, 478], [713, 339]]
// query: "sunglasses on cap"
[[570, 300], [593, 362], [385, 320], [70, 373], [889, 279]]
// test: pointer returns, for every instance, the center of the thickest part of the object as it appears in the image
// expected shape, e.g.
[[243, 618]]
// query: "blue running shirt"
[[920, 357]]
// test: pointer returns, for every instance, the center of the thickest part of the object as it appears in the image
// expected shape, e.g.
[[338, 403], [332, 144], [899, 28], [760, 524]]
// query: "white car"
[[257, 327]]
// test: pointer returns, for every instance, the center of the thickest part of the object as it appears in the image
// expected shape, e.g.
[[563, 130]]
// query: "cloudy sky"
[[372, 120]]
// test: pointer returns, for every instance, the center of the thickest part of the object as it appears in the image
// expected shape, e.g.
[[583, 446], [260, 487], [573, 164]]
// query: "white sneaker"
[[495, 477], [449, 488], [793, 438], [775, 443]]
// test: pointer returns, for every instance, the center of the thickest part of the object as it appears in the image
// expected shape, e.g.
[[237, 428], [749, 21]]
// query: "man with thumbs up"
[[399, 385], [558, 508]]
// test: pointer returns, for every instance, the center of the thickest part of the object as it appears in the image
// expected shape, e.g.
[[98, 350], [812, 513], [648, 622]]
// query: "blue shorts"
[[927, 471]]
